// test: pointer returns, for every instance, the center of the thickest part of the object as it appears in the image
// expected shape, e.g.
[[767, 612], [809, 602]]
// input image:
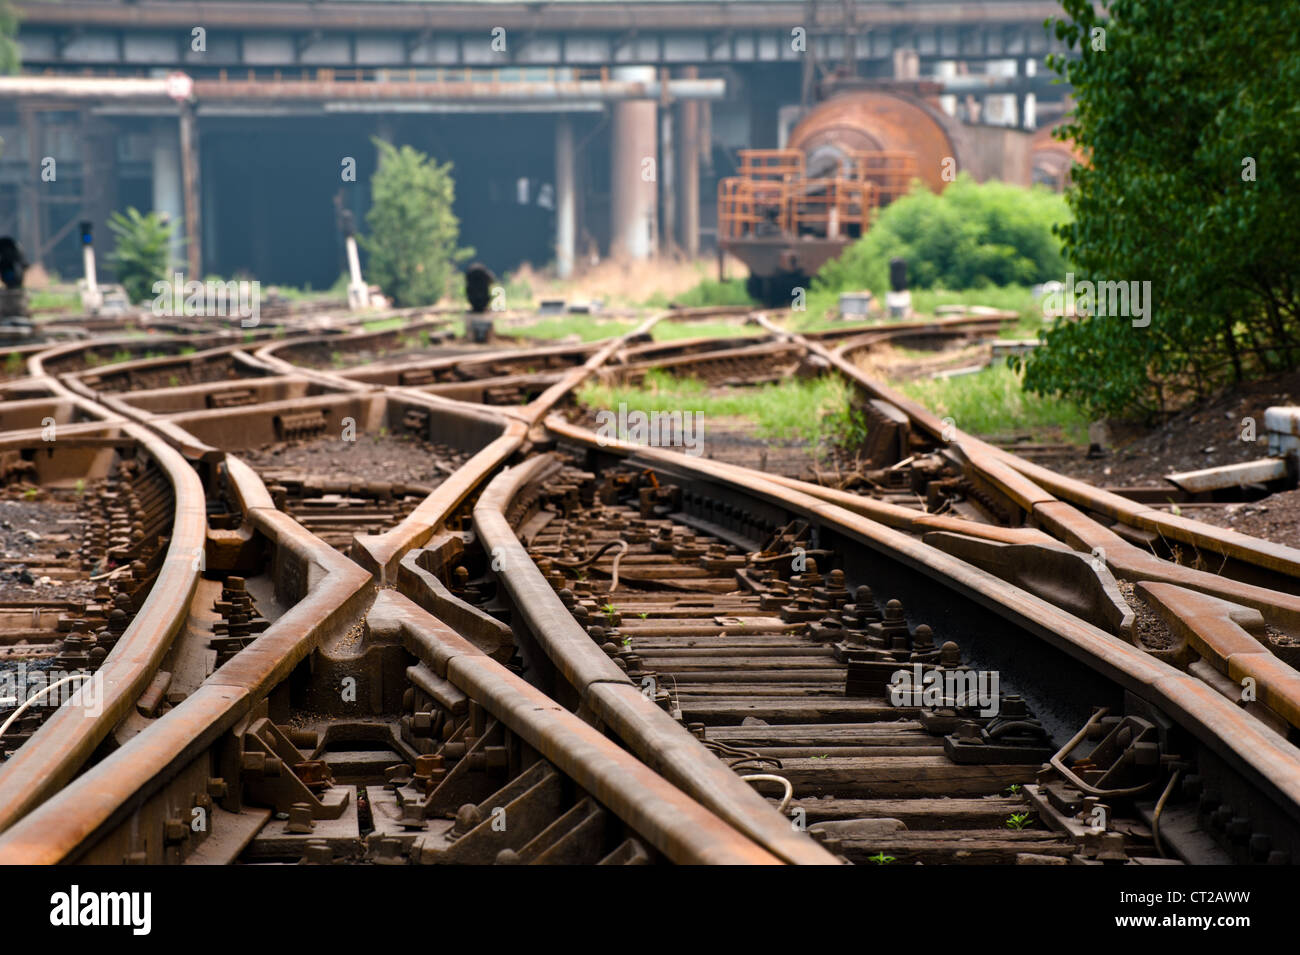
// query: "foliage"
[[412, 245], [816, 410], [587, 327], [668, 330], [973, 235], [141, 251], [1187, 113], [9, 51], [518, 291], [993, 403], [705, 293], [53, 299], [339, 291], [823, 308]]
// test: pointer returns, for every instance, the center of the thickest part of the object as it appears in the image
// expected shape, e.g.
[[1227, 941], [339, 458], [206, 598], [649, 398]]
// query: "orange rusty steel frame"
[[772, 190], [781, 165], [892, 173]]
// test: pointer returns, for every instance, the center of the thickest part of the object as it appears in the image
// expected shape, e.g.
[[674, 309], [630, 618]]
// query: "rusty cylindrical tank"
[[870, 121], [1052, 159]]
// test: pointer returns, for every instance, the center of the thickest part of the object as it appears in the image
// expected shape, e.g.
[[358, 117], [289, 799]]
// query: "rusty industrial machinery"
[[1053, 158], [371, 597], [789, 211]]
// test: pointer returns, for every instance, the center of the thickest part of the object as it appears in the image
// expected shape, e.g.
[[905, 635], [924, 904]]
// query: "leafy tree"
[[972, 235], [140, 255], [413, 230], [1187, 114], [9, 52]]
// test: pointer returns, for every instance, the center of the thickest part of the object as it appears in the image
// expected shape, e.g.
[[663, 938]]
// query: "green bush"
[[973, 235], [710, 292], [9, 51], [412, 246], [1187, 113], [140, 255]]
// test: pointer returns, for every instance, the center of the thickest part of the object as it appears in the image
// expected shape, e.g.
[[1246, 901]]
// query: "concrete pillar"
[[190, 182], [907, 64], [32, 235], [168, 196], [690, 175], [668, 173], [947, 69], [565, 219], [633, 188], [1029, 105]]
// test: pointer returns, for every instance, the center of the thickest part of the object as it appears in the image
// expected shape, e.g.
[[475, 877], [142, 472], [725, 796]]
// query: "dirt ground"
[[1276, 518], [33, 533], [395, 459], [1204, 437]]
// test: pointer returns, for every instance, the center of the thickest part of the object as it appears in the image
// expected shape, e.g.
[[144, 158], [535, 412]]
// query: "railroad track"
[[386, 599]]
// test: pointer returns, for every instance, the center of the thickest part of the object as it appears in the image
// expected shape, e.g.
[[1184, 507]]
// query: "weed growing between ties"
[[991, 403], [585, 327], [817, 410]]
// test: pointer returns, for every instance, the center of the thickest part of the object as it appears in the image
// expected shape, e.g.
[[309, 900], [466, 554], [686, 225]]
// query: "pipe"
[[131, 88]]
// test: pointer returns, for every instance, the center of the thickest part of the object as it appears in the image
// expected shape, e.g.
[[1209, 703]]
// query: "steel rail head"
[[331, 588], [329, 591], [1268, 759], [66, 740], [666, 817], [659, 740], [1036, 482]]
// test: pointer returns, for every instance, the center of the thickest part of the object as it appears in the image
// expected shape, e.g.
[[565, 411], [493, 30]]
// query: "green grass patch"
[[383, 324], [823, 306], [588, 328], [339, 290], [707, 292], [814, 409], [991, 403], [51, 298]]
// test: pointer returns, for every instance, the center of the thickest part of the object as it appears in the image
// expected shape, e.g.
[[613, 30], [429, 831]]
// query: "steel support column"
[[633, 178], [565, 220], [190, 177], [689, 187], [168, 194]]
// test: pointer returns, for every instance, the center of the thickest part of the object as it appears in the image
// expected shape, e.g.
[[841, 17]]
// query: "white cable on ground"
[[773, 778], [36, 696]]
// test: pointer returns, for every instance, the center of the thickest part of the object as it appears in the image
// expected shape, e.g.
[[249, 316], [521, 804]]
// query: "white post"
[[564, 198], [91, 298], [358, 294]]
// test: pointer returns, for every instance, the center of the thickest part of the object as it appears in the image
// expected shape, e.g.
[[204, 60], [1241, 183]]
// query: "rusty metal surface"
[[1026, 549], [679, 826], [65, 740], [1217, 722]]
